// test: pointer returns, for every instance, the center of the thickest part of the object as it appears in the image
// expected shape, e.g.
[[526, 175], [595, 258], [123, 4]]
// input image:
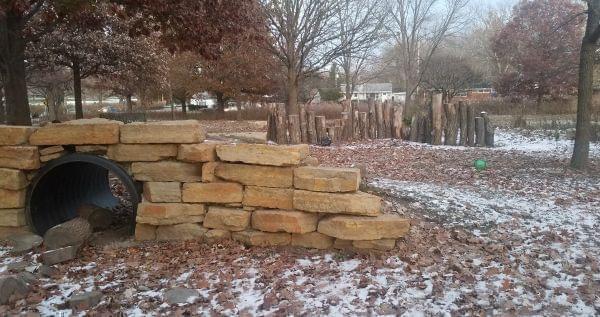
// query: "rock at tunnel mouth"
[[64, 186]]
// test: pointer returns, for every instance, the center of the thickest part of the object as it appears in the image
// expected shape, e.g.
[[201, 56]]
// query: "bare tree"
[[589, 45], [419, 27], [360, 25], [51, 83], [305, 39], [449, 74]]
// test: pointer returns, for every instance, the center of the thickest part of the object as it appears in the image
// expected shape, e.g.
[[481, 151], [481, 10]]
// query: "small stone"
[[20, 157], [27, 277], [202, 152], [162, 192], [145, 232], [12, 179], [17, 266], [48, 271], [12, 287], [24, 242], [180, 295], [208, 172], [92, 149], [74, 232], [50, 157], [60, 255], [12, 199], [51, 150], [310, 161], [85, 300], [12, 217]]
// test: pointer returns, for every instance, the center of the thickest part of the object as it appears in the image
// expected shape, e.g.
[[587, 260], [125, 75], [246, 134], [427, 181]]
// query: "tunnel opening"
[[64, 185]]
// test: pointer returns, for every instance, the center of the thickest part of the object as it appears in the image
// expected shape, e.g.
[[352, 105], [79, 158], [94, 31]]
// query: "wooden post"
[[436, 118], [294, 128], [311, 129], [414, 128], [271, 125], [451, 130], [379, 119], [320, 127], [471, 125], [303, 124], [388, 117], [355, 123], [489, 130], [363, 124], [426, 136], [480, 131], [462, 110], [372, 120], [332, 135], [346, 126], [281, 124], [397, 121]]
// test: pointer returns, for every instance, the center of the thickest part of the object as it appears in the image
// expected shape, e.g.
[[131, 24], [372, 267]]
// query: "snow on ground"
[[521, 238], [552, 143]]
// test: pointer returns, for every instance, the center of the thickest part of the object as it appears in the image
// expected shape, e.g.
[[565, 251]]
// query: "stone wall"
[[257, 194]]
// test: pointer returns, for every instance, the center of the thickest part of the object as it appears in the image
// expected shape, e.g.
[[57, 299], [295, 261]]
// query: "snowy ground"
[[521, 238]]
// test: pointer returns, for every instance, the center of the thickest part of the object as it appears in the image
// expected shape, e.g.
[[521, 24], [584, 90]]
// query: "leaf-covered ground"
[[521, 238]]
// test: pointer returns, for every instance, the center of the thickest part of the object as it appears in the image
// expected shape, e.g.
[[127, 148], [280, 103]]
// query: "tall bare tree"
[[589, 45], [418, 28], [360, 25], [305, 39]]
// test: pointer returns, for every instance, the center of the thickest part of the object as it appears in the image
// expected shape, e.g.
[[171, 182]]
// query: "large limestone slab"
[[263, 154], [185, 131], [183, 231], [327, 179], [284, 221], [12, 179], [145, 232], [12, 198], [166, 171], [230, 219], [20, 157], [202, 152], [338, 203], [212, 192], [12, 217], [141, 152], [313, 240], [380, 245], [77, 132], [266, 176], [364, 228], [267, 197], [14, 135], [169, 213], [162, 192]]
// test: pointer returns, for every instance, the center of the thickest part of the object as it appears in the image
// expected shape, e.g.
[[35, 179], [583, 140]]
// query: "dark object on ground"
[[326, 141], [24, 242], [60, 255], [10, 287], [98, 217], [73, 232]]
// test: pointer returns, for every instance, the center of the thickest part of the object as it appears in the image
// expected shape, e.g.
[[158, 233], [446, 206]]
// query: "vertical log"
[[426, 123], [462, 110], [480, 131], [281, 124], [363, 125], [271, 125], [372, 120], [311, 129], [346, 126], [379, 120], [436, 118], [406, 132], [397, 121], [294, 129], [320, 127], [471, 125], [303, 124], [489, 130], [414, 128], [332, 135], [451, 129], [355, 124]]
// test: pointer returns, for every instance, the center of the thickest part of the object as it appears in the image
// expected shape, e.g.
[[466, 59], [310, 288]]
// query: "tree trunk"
[[129, 103], [220, 105], [581, 151], [77, 90], [292, 91], [12, 51]]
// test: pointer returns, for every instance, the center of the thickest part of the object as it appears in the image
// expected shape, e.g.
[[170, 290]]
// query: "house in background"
[[377, 91]]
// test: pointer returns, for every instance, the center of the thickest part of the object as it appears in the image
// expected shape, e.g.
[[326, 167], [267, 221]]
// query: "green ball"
[[480, 164]]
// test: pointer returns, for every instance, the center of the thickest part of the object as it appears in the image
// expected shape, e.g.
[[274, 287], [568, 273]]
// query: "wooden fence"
[[449, 124]]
